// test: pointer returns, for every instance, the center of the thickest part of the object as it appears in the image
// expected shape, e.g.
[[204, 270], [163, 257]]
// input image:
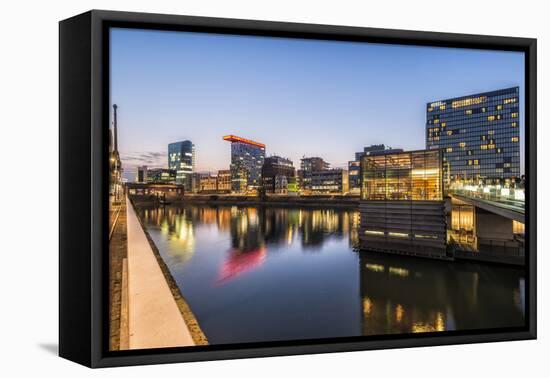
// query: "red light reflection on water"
[[240, 262]]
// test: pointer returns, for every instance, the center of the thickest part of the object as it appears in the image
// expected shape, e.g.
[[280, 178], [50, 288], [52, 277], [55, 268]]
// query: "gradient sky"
[[299, 97]]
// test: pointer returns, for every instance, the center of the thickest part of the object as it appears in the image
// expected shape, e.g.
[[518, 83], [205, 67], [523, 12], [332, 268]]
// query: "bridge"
[[508, 203]]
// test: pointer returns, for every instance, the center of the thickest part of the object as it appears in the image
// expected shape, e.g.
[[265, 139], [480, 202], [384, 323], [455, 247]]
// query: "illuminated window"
[[449, 149], [436, 121], [491, 132], [476, 162], [442, 107], [510, 100], [514, 115], [483, 137], [443, 124], [469, 111], [462, 144], [483, 146], [499, 107], [499, 116], [483, 110], [499, 150], [491, 118], [449, 132], [515, 139], [430, 109], [468, 101], [469, 162], [514, 124]]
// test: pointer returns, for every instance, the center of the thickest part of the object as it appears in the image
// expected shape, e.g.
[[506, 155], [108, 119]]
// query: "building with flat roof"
[[402, 207], [141, 174], [307, 166], [247, 159], [224, 181], [161, 175], [278, 175], [181, 158], [354, 166], [479, 136], [329, 181], [208, 184]]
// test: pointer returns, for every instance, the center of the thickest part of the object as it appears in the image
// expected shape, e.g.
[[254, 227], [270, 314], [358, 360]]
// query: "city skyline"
[[171, 87]]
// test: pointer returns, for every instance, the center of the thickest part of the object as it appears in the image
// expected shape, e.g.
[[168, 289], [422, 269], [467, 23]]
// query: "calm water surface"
[[265, 274]]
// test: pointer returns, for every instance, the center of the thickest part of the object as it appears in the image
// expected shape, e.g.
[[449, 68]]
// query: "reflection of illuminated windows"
[[371, 232], [367, 307], [401, 272], [399, 311], [375, 267]]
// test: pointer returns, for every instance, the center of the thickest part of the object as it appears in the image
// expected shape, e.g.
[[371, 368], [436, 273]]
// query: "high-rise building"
[[247, 159], [479, 137], [278, 175], [354, 166], [308, 165], [181, 158]]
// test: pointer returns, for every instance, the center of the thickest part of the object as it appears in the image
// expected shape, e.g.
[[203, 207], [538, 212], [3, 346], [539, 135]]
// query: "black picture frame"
[[83, 181]]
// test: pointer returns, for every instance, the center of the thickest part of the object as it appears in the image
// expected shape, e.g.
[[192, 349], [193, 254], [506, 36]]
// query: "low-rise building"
[[161, 175], [329, 181], [277, 174], [208, 184], [307, 166], [354, 166], [224, 181], [402, 207]]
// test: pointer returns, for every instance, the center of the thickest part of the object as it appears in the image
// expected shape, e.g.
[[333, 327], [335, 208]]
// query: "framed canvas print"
[[234, 188]]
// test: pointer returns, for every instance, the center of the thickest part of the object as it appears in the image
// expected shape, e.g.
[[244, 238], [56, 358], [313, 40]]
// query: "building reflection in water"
[[216, 252], [408, 295], [252, 230]]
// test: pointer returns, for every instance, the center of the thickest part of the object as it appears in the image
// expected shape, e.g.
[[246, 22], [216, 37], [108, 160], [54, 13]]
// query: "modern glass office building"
[[181, 158], [247, 159], [402, 207], [354, 167], [479, 136]]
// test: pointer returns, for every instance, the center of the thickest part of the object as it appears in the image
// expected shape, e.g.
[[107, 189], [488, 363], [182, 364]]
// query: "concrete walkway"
[[154, 319]]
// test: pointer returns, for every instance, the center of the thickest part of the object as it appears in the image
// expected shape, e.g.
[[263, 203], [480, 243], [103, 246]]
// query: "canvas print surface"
[[274, 190]]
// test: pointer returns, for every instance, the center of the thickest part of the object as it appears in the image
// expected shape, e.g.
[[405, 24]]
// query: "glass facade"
[[478, 135], [247, 159], [412, 175], [181, 158]]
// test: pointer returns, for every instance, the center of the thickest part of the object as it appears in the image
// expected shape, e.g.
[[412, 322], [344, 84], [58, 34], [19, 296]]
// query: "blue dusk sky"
[[299, 97]]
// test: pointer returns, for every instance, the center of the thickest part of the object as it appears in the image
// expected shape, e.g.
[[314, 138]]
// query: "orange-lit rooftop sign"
[[234, 138]]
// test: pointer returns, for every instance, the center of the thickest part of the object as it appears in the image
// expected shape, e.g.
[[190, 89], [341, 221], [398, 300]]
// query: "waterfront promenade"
[[154, 320]]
